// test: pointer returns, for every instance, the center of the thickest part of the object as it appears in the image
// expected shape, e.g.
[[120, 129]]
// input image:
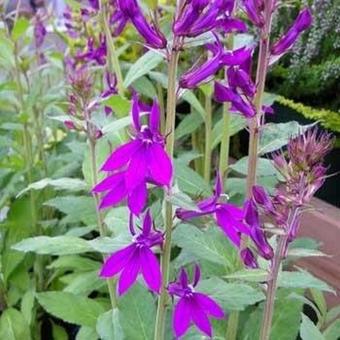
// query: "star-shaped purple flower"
[[136, 258], [192, 306], [136, 163]]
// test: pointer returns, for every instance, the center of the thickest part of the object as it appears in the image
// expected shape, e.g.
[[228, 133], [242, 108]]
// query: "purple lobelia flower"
[[239, 103], [254, 10], [39, 31], [302, 22], [129, 10], [136, 163], [94, 53], [229, 217], [94, 4], [136, 258], [111, 82], [220, 58], [192, 306]]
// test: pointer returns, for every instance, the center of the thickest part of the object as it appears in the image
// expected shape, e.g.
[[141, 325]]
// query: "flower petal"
[[160, 166], [209, 305], [150, 269], [114, 196], [137, 170], [181, 317], [228, 228], [130, 273], [109, 183], [200, 318], [121, 156], [117, 261], [137, 198], [154, 117]]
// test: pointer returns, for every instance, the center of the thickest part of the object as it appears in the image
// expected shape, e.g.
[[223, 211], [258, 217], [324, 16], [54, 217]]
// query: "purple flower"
[[239, 103], [136, 163], [94, 4], [248, 258], [129, 10], [254, 11], [302, 22], [93, 53], [207, 70], [192, 306], [228, 216], [39, 32], [111, 82], [136, 258]]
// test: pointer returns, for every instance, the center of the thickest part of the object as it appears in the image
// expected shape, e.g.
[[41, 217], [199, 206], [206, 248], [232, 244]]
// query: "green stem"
[[165, 258], [100, 220], [272, 281], [208, 137], [232, 326], [113, 61], [225, 142]]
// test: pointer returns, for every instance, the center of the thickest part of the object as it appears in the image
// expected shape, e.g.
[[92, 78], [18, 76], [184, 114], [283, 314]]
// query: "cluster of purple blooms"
[[142, 163]]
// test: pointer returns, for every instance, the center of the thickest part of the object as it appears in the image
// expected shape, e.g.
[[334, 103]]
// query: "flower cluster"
[[135, 164]]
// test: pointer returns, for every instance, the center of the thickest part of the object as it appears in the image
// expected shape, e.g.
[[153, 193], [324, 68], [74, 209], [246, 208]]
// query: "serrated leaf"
[[302, 279], [77, 208], [265, 167], [305, 252], [231, 296], [275, 136], [209, 245], [85, 283], [108, 326], [137, 314], [109, 245], [58, 245], [250, 275], [71, 308], [142, 66], [190, 181], [308, 331], [13, 325], [78, 263], [69, 184]]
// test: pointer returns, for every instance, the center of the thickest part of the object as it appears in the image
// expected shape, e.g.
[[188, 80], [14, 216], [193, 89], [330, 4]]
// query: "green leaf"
[[190, 181], [13, 325], [286, 319], [77, 208], [305, 252], [84, 283], [108, 326], [19, 28], [181, 200], [265, 167], [74, 262], [231, 296], [237, 123], [71, 308], [27, 304], [188, 125], [137, 314], [332, 331], [58, 332], [210, 245], [308, 331], [86, 333], [142, 66], [58, 245], [109, 245], [190, 97], [250, 275], [275, 136], [69, 184], [121, 107], [302, 279], [145, 87]]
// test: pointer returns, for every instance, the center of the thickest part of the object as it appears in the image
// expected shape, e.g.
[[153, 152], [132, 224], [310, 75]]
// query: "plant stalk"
[[257, 121], [208, 137], [272, 281], [113, 61], [165, 258], [100, 220], [232, 326]]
